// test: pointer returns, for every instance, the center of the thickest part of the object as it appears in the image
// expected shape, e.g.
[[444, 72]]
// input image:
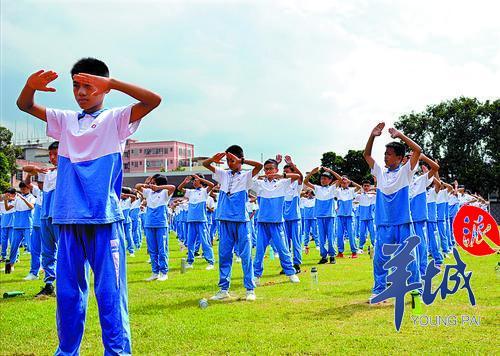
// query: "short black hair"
[[22, 185], [287, 166], [54, 146], [127, 190], [327, 174], [235, 150], [160, 179], [271, 161], [90, 65], [10, 190], [366, 181], [399, 148]]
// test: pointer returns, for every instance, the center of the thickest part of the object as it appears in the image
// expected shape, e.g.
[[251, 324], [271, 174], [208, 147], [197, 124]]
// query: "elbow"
[[156, 100]]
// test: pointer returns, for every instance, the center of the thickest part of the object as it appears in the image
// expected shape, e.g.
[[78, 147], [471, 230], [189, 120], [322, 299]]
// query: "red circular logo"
[[476, 231]]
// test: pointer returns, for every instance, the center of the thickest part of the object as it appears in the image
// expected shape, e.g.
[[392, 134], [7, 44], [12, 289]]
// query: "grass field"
[[285, 319]]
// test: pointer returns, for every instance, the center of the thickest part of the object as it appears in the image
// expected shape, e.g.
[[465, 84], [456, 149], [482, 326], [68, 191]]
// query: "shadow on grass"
[[349, 310], [161, 306]]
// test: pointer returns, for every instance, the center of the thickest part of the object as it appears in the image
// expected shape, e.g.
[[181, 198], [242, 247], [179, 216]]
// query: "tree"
[[8, 155], [462, 135]]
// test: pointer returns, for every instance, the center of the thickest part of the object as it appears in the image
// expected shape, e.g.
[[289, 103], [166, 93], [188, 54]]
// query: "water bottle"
[[203, 303], [271, 253], [183, 265], [314, 278], [416, 303], [12, 294]]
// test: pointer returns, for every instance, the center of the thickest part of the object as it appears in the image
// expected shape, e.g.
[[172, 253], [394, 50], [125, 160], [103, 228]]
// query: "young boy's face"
[[270, 169], [197, 183], [390, 157], [85, 99], [53, 157], [344, 183], [366, 187], [325, 181], [287, 170], [24, 190], [233, 164]]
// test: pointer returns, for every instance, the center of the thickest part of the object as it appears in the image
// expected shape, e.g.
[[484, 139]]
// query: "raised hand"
[[217, 158], [394, 133], [377, 130], [315, 170], [100, 85], [40, 79], [425, 169], [288, 160], [279, 158]]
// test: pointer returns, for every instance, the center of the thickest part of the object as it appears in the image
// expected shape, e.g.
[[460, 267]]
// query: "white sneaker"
[[30, 277], [189, 265], [210, 267], [162, 277], [149, 260], [238, 259], [222, 294], [317, 248], [250, 296], [276, 255], [360, 251], [256, 281], [153, 277], [294, 279], [131, 255]]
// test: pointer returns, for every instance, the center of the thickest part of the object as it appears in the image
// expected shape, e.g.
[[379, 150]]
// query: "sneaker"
[[294, 279], [256, 281], [306, 251], [189, 266], [47, 291], [162, 277], [196, 254], [317, 248], [250, 296], [3, 259], [340, 255], [354, 255], [209, 267], [282, 272], [30, 277], [149, 260], [322, 261], [360, 251], [297, 269], [332, 260], [238, 259], [131, 255], [221, 295], [153, 277], [276, 255]]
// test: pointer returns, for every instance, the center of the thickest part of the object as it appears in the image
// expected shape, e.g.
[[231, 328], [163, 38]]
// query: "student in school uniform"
[[24, 204], [125, 205], [292, 214], [310, 226], [442, 215], [86, 199], [36, 239], [7, 221], [324, 212], [366, 200], [418, 209], [196, 220], [271, 190], [233, 217], [135, 210], [431, 226], [157, 193], [392, 212]]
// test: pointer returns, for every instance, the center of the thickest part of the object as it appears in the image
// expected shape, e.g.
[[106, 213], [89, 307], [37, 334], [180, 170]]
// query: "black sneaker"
[[332, 260], [282, 272], [297, 269], [47, 291], [3, 259], [196, 254], [322, 261]]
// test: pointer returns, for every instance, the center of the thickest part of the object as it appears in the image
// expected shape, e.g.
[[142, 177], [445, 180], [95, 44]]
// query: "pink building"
[[156, 156]]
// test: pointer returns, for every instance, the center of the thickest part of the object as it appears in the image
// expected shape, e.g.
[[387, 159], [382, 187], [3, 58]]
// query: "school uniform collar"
[[394, 170], [233, 173], [93, 114]]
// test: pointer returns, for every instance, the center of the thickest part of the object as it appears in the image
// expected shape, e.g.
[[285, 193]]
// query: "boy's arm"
[[357, 186], [367, 153], [417, 150], [168, 187], [308, 177], [335, 174], [183, 184], [28, 204], [147, 99], [36, 81], [6, 203], [434, 166], [215, 159], [294, 168]]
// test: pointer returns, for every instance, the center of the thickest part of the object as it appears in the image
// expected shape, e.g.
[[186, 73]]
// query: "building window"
[[19, 175], [171, 149], [126, 165]]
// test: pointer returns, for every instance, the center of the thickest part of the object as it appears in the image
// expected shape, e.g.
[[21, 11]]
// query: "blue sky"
[[286, 76]]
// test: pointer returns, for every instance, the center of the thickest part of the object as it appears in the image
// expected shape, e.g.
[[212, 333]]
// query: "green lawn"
[[285, 319]]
